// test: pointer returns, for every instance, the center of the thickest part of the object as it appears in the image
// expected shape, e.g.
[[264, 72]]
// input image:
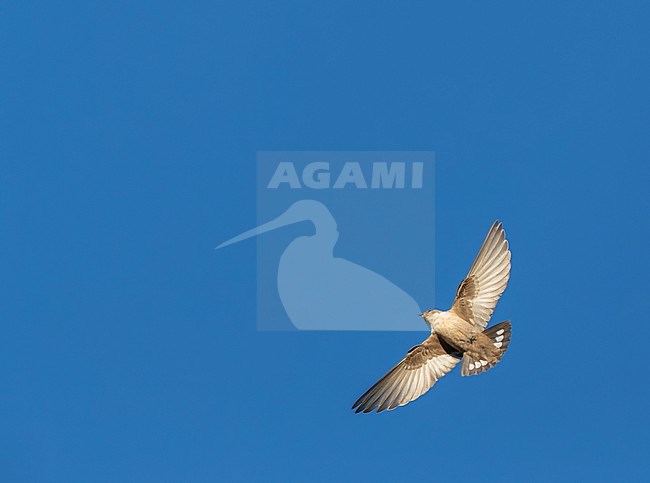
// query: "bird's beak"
[[284, 219]]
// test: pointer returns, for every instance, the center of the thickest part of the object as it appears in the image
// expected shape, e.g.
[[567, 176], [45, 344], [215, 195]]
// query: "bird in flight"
[[456, 334]]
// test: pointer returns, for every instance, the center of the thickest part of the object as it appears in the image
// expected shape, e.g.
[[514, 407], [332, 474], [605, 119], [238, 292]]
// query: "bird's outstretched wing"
[[479, 293], [423, 365]]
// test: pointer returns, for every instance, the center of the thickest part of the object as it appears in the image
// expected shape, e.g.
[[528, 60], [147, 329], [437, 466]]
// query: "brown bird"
[[456, 334]]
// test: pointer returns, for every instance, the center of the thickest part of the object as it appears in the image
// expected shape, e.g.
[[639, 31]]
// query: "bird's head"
[[430, 317], [429, 314]]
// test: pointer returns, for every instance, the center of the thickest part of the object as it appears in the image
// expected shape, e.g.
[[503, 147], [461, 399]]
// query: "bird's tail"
[[500, 335], [475, 362]]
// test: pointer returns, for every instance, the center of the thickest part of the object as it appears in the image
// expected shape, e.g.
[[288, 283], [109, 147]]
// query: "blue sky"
[[129, 349]]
